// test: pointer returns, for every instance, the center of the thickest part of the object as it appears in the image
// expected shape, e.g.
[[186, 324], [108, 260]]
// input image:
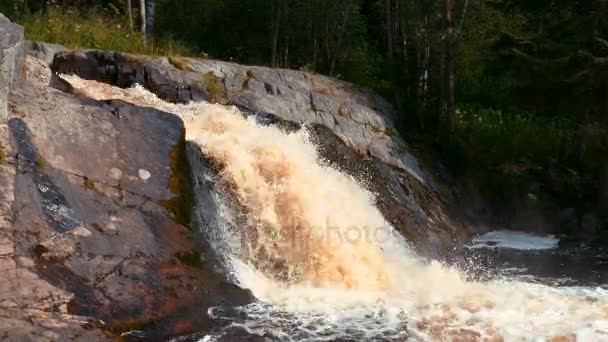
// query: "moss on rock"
[[180, 184], [179, 63]]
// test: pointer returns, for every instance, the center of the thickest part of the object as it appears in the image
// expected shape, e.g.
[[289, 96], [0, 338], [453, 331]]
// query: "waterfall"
[[324, 263]]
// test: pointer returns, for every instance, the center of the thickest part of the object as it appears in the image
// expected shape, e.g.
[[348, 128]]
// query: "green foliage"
[[505, 151], [494, 137], [210, 81], [531, 77], [500, 140], [75, 30], [179, 63]]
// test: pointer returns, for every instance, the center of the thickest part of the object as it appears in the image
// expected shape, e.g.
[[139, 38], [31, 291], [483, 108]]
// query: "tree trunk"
[[286, 50], [276, 21], [142, 13], [389, 27], [312, 19], [338, 47], [130, 14], [604, 187], [463, 16], [604, 103], [150, 16], [448, 45], [424, 57], [401, 28]]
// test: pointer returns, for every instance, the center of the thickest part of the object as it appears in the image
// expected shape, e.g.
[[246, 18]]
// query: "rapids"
[[324, 264]]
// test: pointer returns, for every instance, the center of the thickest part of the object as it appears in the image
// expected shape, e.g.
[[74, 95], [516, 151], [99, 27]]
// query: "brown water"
[[324, 264]]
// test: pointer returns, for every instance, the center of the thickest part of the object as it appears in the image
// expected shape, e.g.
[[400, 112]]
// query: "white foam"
[[514, 240], [362, 289]]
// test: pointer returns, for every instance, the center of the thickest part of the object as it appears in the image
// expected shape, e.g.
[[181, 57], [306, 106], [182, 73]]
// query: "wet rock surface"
[[96, 197], [42, 51], [353, 127], [11, 60], [362, 119], [95, 239], [572, 263], [408, 205]]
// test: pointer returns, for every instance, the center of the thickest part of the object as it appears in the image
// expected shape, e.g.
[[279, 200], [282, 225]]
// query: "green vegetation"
[[179, 63], [180, 184], [190, 258], [528, 101], [503, 151], [493, 137], [210, 81], [96, 31]]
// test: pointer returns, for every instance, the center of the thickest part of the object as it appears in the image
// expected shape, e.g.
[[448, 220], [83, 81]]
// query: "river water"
[[324, 264]]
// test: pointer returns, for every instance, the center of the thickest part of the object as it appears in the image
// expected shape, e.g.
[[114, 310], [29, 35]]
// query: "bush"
[[503, 151], [495, 137]]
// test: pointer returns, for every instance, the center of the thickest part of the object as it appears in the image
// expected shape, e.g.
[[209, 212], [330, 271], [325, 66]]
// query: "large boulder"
[[11, 59], [359, 135], [96, 235], [353, 127], [42, 51], [95, 221], [359, 117]]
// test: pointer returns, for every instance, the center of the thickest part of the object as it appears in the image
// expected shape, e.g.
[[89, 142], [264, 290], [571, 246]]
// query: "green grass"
[[211, 83], [95, 31], [179, 63]]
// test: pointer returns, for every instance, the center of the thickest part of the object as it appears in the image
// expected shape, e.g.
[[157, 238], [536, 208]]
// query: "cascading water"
[[323, 262]]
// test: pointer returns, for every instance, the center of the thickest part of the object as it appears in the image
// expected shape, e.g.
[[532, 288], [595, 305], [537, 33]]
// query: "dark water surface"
[[570, 263]]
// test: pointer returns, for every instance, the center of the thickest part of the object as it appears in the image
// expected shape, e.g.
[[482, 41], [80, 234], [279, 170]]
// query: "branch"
[[582, 59], [464, 14], [602, 43]]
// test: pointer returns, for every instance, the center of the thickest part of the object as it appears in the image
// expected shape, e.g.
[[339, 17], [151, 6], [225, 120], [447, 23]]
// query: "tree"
[[142, 13], [339, 38], [150, 16], [276, 25], [448, 73], [130, 15]]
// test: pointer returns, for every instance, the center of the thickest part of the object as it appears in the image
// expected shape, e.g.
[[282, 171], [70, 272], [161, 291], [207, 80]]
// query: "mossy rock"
[[180, 63], [214, 87], [180, 184]]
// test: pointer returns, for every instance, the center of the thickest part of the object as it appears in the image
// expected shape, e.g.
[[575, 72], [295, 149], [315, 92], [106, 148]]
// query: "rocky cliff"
[[97, 237]]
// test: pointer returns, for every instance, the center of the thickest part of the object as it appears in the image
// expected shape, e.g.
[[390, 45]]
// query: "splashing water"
[[324, 263]]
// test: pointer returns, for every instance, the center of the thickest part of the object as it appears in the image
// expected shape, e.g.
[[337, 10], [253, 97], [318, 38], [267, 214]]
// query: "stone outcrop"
[[42, 51], [95, 219], [11, 59], [353, 127], [96, 197], [359, 117]]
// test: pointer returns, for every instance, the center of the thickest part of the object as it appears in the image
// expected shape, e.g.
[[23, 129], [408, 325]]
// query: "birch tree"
[[142, 13], [150, 16]]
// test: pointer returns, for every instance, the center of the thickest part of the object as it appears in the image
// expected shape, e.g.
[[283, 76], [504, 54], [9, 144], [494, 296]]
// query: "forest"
[[506, 93]]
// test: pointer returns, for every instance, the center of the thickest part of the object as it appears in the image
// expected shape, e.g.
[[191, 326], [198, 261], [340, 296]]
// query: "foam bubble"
[[320, 285], [514, 240]]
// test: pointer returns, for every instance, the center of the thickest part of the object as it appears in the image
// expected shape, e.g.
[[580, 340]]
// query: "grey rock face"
[[96, 196], [354, 127], [359, 135], [11, 59], [43, 51], [362, 119], [94, 215]]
